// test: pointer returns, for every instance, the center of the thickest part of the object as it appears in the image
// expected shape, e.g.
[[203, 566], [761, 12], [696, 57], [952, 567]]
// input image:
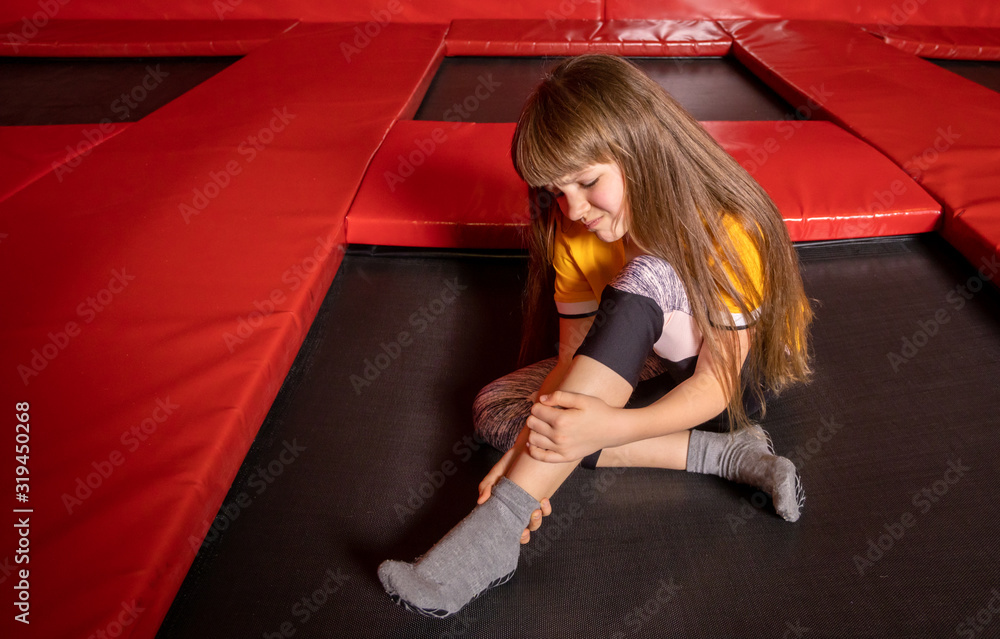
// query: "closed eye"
[[591, 183]]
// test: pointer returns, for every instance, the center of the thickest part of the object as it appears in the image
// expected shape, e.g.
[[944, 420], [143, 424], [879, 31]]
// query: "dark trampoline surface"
[[382, 470], [709, 88], [984, 72], [35, 91]]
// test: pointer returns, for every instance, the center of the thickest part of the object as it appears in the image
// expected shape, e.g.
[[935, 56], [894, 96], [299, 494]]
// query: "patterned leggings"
[[649, 339], [501, 408]]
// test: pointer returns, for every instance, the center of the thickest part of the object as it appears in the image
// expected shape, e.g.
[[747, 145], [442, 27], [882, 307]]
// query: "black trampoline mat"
[[984, 72], [383, 470], [36, 91], [493, 89]]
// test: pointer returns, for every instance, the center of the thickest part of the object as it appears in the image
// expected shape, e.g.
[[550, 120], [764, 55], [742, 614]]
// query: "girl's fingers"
[[535, 521]]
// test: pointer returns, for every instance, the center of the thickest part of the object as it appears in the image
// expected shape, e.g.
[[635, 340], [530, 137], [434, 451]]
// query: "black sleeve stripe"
[[579, 316]]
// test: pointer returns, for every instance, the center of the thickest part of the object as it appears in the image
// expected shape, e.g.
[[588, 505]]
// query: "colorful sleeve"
[[573, 295]]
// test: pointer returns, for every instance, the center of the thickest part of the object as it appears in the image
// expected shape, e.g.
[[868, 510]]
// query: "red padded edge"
[[441, 184], [573, 37], [976, 233], [959, 43], [30, 152], [452, 185], [252, 265], [943, 129], [377, 11], [976, 13], [793, 161], [132, 38]]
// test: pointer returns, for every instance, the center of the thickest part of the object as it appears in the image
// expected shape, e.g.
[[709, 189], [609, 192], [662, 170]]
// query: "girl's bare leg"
[[668, 451], [588, 377]]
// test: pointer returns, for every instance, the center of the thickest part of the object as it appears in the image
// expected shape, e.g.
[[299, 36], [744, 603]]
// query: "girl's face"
[[595, 197]]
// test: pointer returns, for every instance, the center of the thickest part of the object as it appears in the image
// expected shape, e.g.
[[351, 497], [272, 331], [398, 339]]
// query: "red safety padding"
[[441, 184], [959, 43], [378, 12], [883, 12], [30, 152], [163, 290], [793, 160], [452, 184], [976, 233], [574, 37], [941, 128], [134, 38]]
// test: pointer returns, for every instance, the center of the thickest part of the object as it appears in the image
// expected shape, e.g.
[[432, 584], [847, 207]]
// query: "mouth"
[[590, 225]]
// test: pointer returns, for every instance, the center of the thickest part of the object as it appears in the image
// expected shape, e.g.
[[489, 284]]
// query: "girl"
[[678, 270]]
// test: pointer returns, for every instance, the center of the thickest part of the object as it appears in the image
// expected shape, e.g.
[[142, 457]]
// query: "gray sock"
[[747, 458], [479, 553]]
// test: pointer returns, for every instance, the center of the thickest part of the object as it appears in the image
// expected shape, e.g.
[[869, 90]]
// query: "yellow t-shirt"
[[584, 265]]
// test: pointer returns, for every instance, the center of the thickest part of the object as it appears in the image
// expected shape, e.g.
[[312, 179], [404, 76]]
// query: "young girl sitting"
[[653, 229]]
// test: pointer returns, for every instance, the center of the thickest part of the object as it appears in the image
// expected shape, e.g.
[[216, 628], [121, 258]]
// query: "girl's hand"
[[569, 426], [492, 477]]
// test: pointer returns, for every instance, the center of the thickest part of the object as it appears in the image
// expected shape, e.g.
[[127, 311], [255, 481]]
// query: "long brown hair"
[[679, 186]]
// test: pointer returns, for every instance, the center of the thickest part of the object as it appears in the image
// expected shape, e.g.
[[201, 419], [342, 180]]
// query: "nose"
[[575, 206]]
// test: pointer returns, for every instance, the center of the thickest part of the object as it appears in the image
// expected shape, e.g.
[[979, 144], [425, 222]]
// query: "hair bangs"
[[553, 140]]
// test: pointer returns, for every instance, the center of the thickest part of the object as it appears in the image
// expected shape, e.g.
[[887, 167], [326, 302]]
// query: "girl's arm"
[[568, 426], [571, 334]]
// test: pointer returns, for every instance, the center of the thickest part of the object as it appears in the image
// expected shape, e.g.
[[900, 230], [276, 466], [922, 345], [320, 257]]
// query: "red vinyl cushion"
[[134, 38], [378, 11], [974, 13], [573, 37], [30, 152], [452, 185], [976, 233], [136, 317], [943, 129], [960, 43]]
